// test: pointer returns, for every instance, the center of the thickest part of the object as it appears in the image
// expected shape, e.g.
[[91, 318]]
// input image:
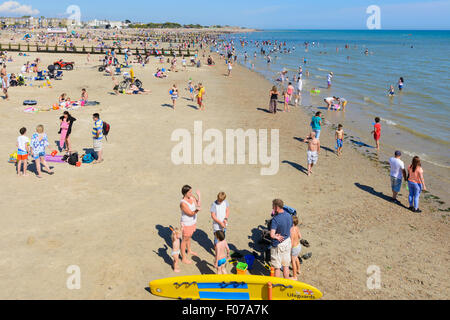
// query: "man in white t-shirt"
[[220, 212], [397, 173]]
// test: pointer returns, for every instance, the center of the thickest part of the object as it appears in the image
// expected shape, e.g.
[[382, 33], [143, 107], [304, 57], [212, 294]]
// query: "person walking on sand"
[[200, 96], [339, 139], [416, 184], [97, 137], [230, 68], [273, 100], [39, 142], [397, 173], [290, 91], [316, 124], [174, 95], [313, 151], [377, 132], [280, 233], [190, 207]]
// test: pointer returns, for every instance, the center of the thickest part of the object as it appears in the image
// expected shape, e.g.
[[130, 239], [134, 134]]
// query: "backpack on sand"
[[106, 128], [88, 158], [73, 159]]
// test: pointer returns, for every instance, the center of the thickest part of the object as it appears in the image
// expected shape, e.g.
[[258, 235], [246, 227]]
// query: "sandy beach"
[[112, 219]]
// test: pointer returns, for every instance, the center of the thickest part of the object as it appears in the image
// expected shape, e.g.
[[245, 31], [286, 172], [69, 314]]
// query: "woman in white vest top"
[[190, 207]]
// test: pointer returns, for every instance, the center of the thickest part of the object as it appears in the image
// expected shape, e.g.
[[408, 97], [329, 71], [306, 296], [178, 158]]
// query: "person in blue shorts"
[[222, 253], [339, 139]]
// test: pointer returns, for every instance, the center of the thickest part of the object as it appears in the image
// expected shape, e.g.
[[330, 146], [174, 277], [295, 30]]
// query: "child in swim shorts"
[[222, 253], [176, 235], [296, 248], [339, 139], [191, 89]]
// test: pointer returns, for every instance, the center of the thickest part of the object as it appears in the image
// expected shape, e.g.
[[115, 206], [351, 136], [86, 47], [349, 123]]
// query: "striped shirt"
[[98, 127]]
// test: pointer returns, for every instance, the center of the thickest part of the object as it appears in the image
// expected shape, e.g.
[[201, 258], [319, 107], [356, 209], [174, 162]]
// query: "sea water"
[[415, 121]]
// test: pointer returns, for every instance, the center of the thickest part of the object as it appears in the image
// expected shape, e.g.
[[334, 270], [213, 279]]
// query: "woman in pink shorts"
[[190, 207]]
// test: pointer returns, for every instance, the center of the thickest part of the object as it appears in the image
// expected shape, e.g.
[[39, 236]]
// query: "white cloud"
[[14, 7]]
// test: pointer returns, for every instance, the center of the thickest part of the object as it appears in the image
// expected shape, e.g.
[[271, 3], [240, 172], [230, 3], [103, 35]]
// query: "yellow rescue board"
[[232, 287]]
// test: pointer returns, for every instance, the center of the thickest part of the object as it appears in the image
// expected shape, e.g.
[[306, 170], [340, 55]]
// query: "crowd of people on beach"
[[285, 235]]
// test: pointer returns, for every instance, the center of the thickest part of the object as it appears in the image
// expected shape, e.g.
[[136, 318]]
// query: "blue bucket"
[[250, 260]]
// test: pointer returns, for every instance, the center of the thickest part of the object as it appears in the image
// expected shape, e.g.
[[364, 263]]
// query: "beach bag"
[[106, 128], [73, 159], [88, 158]]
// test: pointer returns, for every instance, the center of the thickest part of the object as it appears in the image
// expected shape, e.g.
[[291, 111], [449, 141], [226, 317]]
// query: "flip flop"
[[305, 243], [300, 259], [307, 256]]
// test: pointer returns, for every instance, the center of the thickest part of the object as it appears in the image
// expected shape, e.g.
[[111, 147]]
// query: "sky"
[[261, 14]]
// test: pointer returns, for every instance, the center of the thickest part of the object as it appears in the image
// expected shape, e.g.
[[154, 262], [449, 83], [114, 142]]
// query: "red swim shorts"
[[188, 232], [24, 157], [199, 101]]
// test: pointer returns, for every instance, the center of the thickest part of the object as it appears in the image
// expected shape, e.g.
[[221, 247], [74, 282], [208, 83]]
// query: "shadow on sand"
[[296, 166], [380, 195]]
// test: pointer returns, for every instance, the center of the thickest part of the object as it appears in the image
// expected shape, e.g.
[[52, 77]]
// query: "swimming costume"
[[221, 262], [176, 253], [295, 252], [339, 143]]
